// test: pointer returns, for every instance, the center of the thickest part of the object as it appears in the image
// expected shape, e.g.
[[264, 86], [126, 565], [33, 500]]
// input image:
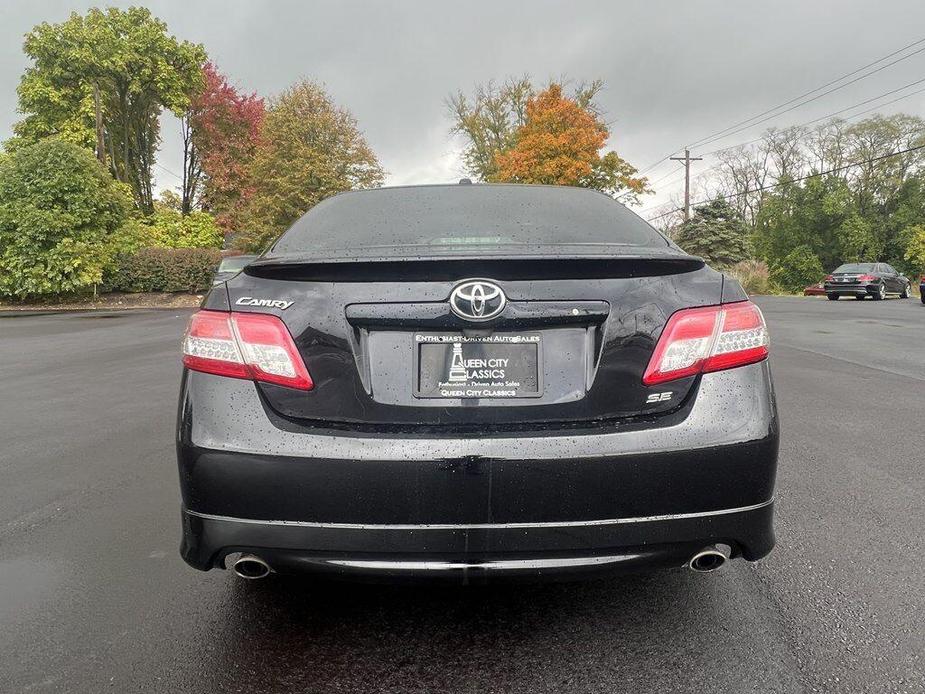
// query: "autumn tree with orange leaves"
[[517, 136]]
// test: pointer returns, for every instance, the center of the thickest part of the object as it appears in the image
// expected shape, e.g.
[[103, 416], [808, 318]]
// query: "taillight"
[[256, 346], [712, 338], [867, 278]]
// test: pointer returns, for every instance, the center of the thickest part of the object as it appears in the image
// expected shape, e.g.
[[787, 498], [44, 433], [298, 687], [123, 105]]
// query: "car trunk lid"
[[385, 350]]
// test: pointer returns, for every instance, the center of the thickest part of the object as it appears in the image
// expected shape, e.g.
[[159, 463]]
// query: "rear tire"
[[832, 297], [880, 294]]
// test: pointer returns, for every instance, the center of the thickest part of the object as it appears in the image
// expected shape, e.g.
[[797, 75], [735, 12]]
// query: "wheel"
[[923, 297], [905, 292], [880, 295], [832, 297]]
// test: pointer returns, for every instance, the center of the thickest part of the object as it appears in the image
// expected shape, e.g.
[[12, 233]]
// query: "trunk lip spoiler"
[[570, 252]]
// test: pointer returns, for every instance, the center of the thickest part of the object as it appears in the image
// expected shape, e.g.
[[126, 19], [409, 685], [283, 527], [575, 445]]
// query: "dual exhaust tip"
[[710, 558], [249, 567]]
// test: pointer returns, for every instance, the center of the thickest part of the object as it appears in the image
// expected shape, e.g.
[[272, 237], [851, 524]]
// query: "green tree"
[[60, 219], [103, 80], [716, 233], [914, 254], [857, 242], [813, 214], [309, 149], [798, 269], [169, 228]]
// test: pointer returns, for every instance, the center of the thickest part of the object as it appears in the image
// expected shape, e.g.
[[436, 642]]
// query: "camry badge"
[[477, 300], [271, 303]]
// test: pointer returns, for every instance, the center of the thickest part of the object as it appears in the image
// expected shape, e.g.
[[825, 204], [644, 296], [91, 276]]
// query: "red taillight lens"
[[711, 338], [867, 278], [244, 345]]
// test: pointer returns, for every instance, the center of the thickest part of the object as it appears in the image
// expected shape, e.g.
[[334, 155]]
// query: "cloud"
[[674, 71]]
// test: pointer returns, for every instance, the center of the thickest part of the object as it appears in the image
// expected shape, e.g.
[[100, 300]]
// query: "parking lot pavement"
[[93, 596]]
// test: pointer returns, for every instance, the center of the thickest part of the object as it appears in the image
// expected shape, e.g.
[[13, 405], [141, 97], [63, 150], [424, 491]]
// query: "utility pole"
[[687, 159]]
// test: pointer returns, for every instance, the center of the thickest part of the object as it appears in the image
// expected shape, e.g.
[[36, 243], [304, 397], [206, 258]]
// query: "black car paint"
[[342, 331], [886, 281], [358, 472]]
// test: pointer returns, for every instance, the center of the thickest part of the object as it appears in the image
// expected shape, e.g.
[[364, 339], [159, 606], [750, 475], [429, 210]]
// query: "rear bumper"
[[852, 290], [468, 509], [478, 553]]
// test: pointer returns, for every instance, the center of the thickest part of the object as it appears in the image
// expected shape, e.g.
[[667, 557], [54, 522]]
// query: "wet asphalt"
[[94, 597]]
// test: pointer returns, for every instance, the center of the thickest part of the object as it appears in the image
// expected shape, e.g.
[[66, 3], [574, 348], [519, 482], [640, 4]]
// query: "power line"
[[810, 122], [670, 173], [835, 113], [709, 138], [164, 168], [775, 112], [795, 180]]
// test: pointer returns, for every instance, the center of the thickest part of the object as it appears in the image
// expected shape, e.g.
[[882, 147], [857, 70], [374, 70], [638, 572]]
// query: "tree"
[[224, 128], [60, 217], [857, 243], [309, 149], [105, 78], [489, 122], [168, 228], [914, 255], [812, 214], [716, 233], [799, 268], [516, 135]]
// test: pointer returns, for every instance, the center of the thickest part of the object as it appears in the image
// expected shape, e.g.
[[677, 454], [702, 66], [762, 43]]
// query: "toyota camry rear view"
[[470, 382]]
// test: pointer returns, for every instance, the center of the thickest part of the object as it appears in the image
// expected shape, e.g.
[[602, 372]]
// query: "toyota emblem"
[[477, 300]]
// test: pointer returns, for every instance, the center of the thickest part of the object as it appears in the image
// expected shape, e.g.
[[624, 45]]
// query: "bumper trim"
[[483, 526], [536, 564]]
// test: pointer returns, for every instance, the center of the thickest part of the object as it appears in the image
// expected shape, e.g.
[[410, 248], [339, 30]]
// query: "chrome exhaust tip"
[[709, 559], [250, 567]]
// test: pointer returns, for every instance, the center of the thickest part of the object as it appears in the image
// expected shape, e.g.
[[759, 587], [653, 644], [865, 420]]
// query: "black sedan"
[[922, 288], [475, 382], [231, 266], [861, 280]]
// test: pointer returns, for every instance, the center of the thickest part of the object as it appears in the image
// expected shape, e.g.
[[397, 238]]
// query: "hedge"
[[164, 270]]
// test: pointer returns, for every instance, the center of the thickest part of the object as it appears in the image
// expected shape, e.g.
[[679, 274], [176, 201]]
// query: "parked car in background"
[[922, 288], [861, 280], [471, 382], [231, 266], [817, 289]]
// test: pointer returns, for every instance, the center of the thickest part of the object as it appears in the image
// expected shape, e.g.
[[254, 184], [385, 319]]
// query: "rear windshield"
[[465, 218], [234, 263], [855, 267]]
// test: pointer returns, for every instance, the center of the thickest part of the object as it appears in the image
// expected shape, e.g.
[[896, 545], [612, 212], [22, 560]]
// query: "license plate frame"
[[496, 366]]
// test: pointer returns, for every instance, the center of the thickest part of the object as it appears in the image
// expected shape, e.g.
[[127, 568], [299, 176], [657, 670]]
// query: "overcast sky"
[[674, 71]]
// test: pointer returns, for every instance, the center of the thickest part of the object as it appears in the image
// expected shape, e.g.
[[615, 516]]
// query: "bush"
[[754, 276], [799, 268], [913, 238], [167, 228], [60, 212], [164, 270]]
